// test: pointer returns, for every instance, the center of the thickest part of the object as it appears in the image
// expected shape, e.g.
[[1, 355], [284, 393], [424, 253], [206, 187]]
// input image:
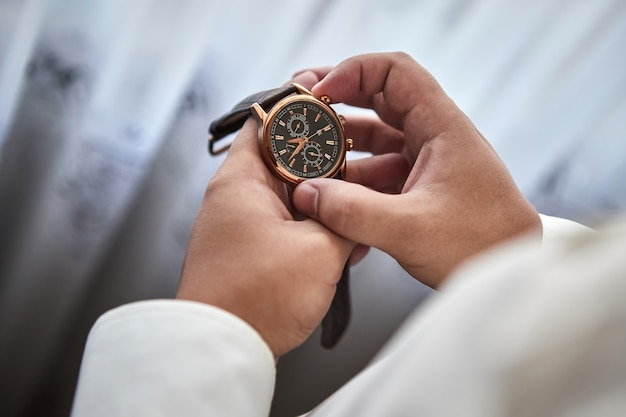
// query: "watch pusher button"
[[349, 144]]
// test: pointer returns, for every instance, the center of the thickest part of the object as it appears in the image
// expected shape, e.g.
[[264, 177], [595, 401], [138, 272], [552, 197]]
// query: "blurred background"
[[104, 107]]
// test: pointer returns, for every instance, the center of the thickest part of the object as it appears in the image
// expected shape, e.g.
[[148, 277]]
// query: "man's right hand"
[[435, 192]]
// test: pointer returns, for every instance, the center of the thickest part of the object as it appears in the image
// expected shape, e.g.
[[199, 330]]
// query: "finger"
[[320, 72], [306, 78], [358, 79], [353, 211], [244, 156], [314, 230], [370, 134], [358, 254], [244, 166], [377, 103], [394, 85], [336, 249], [380, 172]]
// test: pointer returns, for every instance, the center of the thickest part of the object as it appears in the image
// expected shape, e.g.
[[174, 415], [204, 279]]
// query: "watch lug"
[[343, 170], [258, 112], [301, 89]]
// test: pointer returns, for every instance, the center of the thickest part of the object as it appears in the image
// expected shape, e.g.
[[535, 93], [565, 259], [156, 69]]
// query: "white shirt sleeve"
[[524, 330], [555, 229], [174, 358]]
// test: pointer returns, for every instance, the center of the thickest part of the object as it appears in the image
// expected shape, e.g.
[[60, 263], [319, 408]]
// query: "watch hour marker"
[[326, 128], [279, 137], [291, 112], [318, 116], [331, 142], [280, 122], [304, 111], [291, 163], [282, 152], [327, 156], [304, 168]]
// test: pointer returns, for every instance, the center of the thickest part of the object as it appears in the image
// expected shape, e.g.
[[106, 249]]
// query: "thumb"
[[351, 210]]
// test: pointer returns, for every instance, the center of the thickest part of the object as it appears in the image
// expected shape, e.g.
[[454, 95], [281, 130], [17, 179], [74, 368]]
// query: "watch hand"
[[319, 131], [315, 134], [304, 142], [298, 149], [295, 140]]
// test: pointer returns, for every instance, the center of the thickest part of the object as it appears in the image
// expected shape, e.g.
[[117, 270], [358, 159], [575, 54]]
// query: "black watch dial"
[[305, 139]]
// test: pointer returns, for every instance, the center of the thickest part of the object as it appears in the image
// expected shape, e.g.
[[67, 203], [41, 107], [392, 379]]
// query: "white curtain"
[[104, 107]]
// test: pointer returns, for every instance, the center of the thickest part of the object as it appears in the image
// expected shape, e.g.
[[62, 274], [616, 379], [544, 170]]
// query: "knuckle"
[[401, 56], [216, 183], [342, 210]]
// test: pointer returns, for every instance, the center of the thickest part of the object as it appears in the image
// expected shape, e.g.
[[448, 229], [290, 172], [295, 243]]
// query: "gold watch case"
[[327, 157]]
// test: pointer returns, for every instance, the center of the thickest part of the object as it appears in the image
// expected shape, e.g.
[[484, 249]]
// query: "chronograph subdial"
[[297, 125], [312, 154]]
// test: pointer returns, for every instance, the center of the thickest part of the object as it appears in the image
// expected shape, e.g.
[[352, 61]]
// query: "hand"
[[248, 256], [447, 194]]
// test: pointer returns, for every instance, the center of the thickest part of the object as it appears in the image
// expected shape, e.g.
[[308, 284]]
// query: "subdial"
[[297, 126], [312, 154]]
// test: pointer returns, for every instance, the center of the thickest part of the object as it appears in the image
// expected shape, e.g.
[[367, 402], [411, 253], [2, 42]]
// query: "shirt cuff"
[[555, 229], [173, 357]]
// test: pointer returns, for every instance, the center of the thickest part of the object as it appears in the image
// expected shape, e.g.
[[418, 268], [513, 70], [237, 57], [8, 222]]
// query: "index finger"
[[244, 158], [396, 87]]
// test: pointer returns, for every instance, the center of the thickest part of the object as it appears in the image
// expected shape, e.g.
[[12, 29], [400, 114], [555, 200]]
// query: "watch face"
[[304, 139]]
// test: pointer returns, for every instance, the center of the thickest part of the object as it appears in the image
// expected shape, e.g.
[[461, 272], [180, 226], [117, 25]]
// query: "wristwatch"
[[300, 137]]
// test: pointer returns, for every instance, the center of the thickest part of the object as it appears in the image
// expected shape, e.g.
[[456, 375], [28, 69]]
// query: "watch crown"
[[349, 144], [325, 100]]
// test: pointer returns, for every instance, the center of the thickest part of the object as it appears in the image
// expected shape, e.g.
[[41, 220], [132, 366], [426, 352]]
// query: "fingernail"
[[306, 197]]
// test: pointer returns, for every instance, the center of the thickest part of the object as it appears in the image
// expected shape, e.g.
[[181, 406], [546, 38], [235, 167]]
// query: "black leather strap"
[[234, 119], [335, 322], [337, 318]]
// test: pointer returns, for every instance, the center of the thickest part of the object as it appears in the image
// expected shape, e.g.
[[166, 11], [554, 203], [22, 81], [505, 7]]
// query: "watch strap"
[[234, 119], [336, 320]]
